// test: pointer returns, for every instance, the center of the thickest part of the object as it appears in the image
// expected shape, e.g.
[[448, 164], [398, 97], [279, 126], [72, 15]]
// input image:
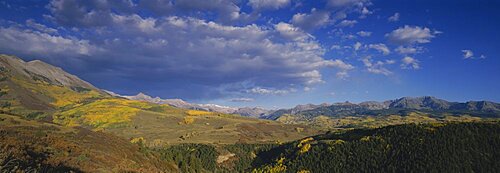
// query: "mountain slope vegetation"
[[34, 146], [454, 147]]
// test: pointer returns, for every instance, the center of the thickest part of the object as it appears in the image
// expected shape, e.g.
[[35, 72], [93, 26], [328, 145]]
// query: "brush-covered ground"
[[34, 146]]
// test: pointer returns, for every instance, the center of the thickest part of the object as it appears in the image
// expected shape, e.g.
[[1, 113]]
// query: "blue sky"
[[265, 53]]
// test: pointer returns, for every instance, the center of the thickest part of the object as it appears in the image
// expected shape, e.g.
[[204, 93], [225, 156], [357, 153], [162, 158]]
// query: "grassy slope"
[[171, 128]]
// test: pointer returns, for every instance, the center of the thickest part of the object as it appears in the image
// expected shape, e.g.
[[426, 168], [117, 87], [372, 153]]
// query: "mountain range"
[[427, 104], [255, 112]]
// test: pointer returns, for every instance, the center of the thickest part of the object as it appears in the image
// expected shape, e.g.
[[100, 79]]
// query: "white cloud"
[[28, 41], [410, 63], [394, 18], [40, 27], [377, 67], [291, 32], [346, 3], [242, 100], [357, 46], [269, 91], [343, 68], [468, 54], [365, 12], [364, 33], [227, 10], [381, 48], [347, 23], [268, 4], [405, 50], [410, 35], [336, 47], [213, 57], [313, 20]]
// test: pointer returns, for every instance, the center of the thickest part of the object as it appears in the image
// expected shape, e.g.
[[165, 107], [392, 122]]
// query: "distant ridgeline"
[[402, 106], [377, 114]]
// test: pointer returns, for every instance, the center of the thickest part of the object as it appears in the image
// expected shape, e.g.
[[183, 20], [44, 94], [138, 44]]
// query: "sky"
[[266, 53]]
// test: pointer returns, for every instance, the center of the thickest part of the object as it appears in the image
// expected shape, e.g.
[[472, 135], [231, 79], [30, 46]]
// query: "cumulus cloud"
[[178, 53], [343, 68], [347, 23], [160, 7], [364, 33], [467, 54], [335, 47], [381, 48], [270, 91], [40, 27], [365, 12], [313, 20], [291, 32], [377, 67], [410, 63], [206, 57], [357, 46], [91, 13], [98, 13], [242, 100], [410, 35], [346, 3], [27, 41], [227, 10], [393, 18], [405, 50], [268, 4]]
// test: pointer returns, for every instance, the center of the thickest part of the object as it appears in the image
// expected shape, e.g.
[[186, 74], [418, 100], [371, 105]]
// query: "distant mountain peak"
[[253, 112], [39, 69]]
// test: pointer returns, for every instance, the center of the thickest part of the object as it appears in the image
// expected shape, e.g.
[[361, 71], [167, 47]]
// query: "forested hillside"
[[455, 147]]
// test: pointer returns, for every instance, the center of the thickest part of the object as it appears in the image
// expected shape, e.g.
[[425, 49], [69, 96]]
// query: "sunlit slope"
[[159, 129], [163, 125], [36, 90], [326, 122]]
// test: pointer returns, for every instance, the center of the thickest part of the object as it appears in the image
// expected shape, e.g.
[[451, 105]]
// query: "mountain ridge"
[[422, 103], [255, 112]]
